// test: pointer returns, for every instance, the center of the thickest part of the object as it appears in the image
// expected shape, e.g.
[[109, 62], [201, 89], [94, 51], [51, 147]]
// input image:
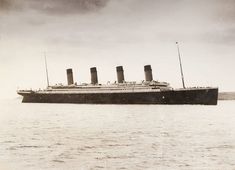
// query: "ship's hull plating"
[[206, 96]]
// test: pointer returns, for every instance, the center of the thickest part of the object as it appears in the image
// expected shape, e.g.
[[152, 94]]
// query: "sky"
[[80, 34]]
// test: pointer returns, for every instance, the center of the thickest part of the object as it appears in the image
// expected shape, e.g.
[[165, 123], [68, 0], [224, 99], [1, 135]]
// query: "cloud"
[[225, 11], [219, 36], [66, 6], [54, 6], [122, 20], [5, 4]]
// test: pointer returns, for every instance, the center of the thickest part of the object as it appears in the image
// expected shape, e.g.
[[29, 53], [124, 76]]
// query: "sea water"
[[133, 137]]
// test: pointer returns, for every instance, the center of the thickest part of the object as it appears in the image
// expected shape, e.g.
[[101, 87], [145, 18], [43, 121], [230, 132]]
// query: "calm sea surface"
[[133, 137]]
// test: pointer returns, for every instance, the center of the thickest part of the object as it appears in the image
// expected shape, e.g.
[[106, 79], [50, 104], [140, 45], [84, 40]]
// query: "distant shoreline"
[[226, 96]]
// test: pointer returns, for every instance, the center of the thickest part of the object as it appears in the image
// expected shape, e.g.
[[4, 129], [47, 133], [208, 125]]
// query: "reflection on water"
[[72, 136]]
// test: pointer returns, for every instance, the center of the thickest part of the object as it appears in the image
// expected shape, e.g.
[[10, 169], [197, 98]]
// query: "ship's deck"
[[99, 89]]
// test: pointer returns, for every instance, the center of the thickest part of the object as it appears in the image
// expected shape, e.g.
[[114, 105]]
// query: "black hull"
[[205, 96]]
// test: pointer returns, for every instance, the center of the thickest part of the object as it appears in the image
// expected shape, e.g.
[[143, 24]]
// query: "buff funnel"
[[148, 73], [94, 77], [120, 74], [69, 76]]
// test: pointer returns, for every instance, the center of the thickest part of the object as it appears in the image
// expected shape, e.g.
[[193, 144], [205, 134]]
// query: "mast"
[[181, 68], [45, 58]]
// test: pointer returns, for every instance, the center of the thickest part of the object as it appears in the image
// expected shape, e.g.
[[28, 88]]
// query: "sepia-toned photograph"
[[117, 85]]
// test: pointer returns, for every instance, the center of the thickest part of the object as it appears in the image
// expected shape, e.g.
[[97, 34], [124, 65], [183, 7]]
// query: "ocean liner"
[[148, 91], [120, 92]]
